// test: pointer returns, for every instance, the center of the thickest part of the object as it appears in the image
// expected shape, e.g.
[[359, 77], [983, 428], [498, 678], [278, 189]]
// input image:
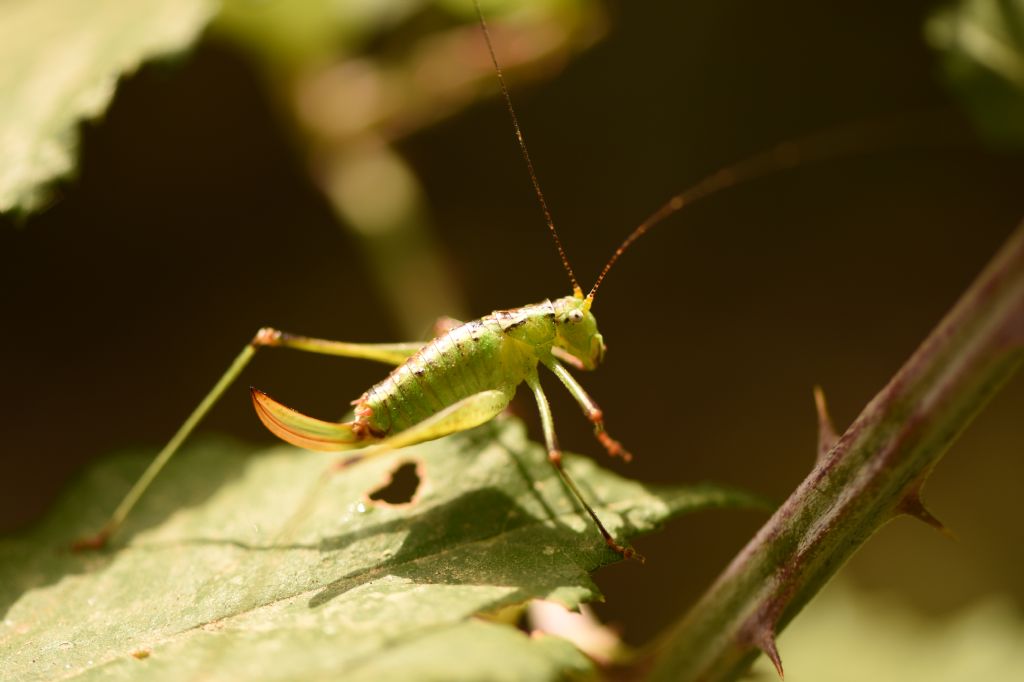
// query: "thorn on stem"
[[827, 436], [766, 643], [911, 505]]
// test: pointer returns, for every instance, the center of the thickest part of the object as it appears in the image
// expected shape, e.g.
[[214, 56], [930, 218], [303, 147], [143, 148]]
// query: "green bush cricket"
[[469, 373]]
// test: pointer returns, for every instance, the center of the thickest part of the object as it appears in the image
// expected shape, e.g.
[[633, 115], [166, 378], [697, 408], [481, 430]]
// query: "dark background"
[[192, 223]]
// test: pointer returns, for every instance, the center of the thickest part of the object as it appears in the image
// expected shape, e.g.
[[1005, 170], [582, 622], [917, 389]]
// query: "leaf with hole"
[[274, 565]]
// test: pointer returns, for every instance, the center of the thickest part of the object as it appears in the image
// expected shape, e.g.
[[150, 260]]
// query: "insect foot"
[[92, 543], [613, 446], [626, 552]]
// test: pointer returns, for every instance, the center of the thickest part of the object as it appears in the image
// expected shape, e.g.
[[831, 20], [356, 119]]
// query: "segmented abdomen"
[[464, 361]]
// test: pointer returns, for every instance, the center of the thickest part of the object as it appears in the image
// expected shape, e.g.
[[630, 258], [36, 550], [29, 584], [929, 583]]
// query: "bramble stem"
[[873, 473]]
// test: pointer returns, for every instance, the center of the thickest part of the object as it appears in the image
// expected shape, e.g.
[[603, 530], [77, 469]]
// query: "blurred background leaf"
[[354, 78], [982, 49], [349, 78], [60, 61]]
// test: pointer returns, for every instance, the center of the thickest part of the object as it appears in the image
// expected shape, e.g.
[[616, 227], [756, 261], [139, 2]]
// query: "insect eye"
[[575, 317]]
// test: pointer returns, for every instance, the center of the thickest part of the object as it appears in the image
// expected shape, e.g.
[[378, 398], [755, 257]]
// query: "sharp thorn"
[[766, 643], [914, 507], [827, 436]]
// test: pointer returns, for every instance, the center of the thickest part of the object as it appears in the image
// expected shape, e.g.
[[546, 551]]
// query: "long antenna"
[[526, 154], [816, 147]]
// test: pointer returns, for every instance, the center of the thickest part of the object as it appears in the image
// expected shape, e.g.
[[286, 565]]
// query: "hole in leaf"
[[405, 481]]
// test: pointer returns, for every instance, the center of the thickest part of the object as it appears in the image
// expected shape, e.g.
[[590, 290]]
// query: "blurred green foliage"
[[301, 32], [982, 46], [59, 62]]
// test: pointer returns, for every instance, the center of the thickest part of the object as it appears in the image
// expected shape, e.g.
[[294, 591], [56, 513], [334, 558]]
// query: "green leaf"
[[299, 31], [59, 63], [982, 45], [240, 566]]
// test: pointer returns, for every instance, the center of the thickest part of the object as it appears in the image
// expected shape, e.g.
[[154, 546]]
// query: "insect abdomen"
[[467, 360]]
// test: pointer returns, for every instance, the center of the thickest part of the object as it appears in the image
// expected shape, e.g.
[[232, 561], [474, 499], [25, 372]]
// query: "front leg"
[[555, 460], [590, 409]]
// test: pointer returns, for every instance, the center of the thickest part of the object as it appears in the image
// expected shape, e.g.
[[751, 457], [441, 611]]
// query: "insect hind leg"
[[390, 353], [308, 432]]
